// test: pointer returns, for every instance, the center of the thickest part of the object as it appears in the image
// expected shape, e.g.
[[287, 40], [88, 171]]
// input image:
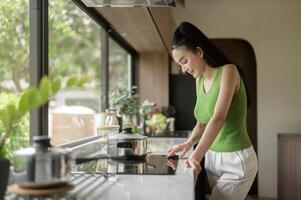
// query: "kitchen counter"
[[163, 187], [133, 187]]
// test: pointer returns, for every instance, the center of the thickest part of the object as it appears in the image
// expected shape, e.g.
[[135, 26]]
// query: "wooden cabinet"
[[146, 29], [289, 166]]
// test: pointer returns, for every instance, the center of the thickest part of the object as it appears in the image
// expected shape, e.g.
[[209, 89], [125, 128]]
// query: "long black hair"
[[189, 36]]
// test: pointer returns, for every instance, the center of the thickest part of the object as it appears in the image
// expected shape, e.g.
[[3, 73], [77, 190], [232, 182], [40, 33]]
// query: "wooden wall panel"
[[153, 78]]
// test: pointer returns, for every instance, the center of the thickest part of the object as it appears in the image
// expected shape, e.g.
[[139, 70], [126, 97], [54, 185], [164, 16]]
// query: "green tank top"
[[233, 135]]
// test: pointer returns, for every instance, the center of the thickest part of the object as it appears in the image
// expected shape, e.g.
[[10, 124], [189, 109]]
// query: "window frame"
[[39, 59]]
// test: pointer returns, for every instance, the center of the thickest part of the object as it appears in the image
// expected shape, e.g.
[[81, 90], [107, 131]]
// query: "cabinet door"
[[289, 165], [182, 97]]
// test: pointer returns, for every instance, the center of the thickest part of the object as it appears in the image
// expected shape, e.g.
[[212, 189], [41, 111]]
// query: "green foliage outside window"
[[72, 39], [14, 44]]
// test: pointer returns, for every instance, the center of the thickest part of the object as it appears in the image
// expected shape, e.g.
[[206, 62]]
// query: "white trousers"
[[231, 174]]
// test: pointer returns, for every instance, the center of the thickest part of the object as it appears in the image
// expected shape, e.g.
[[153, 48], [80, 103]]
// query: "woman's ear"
[[200, 51]]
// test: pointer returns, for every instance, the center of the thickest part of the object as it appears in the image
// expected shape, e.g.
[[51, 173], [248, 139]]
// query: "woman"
[[220, 111]]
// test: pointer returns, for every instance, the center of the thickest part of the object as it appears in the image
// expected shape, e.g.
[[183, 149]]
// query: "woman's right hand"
[[183, 148]]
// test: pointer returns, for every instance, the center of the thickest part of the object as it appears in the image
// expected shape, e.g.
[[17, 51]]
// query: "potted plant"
[[126, 102], [12, 114]]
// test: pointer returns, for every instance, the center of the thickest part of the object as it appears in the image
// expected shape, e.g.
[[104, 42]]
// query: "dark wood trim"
[[104, 69], [135, 70], [38, 60]]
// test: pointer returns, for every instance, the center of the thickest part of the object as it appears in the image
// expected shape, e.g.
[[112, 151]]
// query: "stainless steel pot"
[[41, 165], [127, 145]]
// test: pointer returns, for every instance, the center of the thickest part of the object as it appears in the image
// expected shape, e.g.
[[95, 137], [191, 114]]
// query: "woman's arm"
[[196, 134], [229, 82], [184, 147]]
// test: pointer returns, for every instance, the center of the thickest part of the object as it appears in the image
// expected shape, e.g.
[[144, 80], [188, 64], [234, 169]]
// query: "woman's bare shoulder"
[[230, 70]]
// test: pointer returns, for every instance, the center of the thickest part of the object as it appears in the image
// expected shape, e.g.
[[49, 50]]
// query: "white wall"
[[273, 27]]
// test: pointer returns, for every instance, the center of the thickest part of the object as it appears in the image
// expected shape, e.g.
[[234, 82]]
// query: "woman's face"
[[190, 62]]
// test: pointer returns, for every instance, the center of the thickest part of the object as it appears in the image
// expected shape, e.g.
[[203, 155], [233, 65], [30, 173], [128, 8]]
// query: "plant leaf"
[[30, 99], [72, 81], [83, 81], [35, 99], [44, 88], [12, 112], [24, 102], [56, 85], [4, 117]]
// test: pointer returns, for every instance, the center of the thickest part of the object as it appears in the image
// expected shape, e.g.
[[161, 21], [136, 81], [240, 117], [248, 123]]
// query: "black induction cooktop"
[[151, 165]]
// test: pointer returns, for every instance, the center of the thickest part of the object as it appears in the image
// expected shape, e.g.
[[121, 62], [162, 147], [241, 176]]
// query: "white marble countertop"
[[136, 187], [150, 187]]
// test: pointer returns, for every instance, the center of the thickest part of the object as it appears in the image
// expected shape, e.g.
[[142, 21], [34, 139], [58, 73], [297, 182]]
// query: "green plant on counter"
[[136, 129], [126, 101], [11, 114]]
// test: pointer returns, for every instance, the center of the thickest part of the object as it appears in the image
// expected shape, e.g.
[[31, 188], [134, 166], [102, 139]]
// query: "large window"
[[119, 66], [74, 49], [14, 63]]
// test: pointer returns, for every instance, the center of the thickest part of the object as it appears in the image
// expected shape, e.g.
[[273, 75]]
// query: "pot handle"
[[124, 145], [17, 176]]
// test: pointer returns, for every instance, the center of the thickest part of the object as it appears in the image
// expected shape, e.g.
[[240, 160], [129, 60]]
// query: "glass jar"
[[111, 118], [109, 125], [112, 125]]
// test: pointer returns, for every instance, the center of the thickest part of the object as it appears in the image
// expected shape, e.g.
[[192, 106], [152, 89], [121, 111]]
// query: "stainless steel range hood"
[[129, 3]]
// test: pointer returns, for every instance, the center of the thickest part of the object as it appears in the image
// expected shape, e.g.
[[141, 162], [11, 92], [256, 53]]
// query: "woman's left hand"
[[195, 165]]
